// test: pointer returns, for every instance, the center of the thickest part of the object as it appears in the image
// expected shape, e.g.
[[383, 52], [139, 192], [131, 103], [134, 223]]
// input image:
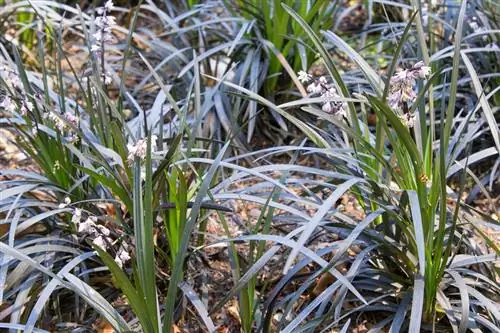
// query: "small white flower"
[[328, 92], [29, 106], [314, 88], [408, 94], [15, 81], [402, 77], [101, 21], [8, 104], [408, 120], [87, 227], [395, 99], [72, 138], [474, 26], [401, 85], [341, 113], [122, 256], [108, 38], [101, 242], [57, 121], [304, 77], [132, 152], [140, 149], [331, 93], [67, 201], [420, 70], [110, 21], [327, 107], [72, 119], [105, 22], [60, 121], [424, 72], [98, 35], [107, 79], [109, 5], [77, 216], [34, 131]]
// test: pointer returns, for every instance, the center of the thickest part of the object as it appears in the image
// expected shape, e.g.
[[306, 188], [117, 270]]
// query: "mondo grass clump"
[[160, 197]]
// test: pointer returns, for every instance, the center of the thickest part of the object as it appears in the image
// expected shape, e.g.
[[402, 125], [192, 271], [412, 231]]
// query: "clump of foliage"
[[128, 177]]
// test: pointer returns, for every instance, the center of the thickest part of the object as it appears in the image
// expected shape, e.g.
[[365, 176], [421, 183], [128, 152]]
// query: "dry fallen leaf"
[[327, 279], [102, 326]]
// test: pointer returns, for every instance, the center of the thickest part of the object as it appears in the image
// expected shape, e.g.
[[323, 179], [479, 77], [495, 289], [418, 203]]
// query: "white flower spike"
[[104, 24]]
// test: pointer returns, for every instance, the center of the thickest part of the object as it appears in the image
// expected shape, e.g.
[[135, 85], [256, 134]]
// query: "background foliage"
[[183, 175]]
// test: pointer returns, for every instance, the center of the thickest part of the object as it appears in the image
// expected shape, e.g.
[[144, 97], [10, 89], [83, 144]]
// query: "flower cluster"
[[16, 99], [8, 105], [62, 121], [407, 119], [401, 91], [140, 149], [100, 234], [104, 23], [14, 84], [10, 77], [321, 88], [26, 107]]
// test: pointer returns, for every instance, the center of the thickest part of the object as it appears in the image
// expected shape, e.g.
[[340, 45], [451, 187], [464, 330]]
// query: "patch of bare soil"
[[10, 155]]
